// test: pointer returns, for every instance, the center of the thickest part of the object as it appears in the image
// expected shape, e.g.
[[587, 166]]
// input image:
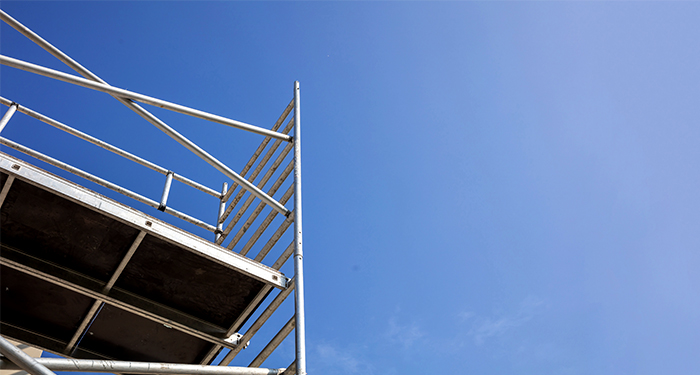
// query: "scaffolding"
[[123, 315]]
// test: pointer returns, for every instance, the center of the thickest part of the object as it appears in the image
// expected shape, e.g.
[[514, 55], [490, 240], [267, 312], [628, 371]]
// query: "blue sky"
[[489, 188]]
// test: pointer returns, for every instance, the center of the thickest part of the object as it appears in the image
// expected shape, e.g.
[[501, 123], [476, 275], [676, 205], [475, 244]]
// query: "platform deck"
[[62, 243]]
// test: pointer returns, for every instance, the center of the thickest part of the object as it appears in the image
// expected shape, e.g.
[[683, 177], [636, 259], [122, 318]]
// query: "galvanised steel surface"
[[22, 360], [105, 183], [108, 147], [88, 365], [149, 228], [141, 221], [7, 116], [298, 250], [97, 305], [125, 94]]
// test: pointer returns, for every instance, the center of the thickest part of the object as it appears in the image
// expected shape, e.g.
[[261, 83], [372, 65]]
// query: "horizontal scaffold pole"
[[19, 64], [156, 121], [89, 365], [122, 93], [116, 150], [24, 361]]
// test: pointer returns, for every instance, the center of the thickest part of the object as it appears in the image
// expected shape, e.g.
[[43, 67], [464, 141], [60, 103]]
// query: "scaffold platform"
[[112, 288], [174, 295]]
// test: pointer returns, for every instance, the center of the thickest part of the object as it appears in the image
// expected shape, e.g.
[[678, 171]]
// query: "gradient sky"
[[489, 188]]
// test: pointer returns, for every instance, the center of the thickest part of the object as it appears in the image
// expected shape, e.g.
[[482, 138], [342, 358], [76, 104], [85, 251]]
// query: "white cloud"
[[404, 335], [484, 328], [465, 315], [336, 360]]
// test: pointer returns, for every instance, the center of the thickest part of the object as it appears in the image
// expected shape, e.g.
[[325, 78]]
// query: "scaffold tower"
[[113, 288]]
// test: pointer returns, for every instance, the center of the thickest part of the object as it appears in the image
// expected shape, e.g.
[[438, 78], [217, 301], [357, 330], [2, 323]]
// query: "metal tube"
[[116, 150], [6, 188], [94, 365], [275, 237], [106, 298], [291, 369], [145, 114], [255, 327], [126, 94], [273, 240], [261, 184], [140, 221], [166, 191], [124, 261], [266, 223], [300, 328], [222, 207], [274, 343], [242, 318], [254, 215], [257, 170], [7, 116], [89, 320], [48, 47], [161, 125], [188, 218], [283, 258], [82, 328], [105, 183], [254, 303], [97, 305], [263, 144], [22, 359]]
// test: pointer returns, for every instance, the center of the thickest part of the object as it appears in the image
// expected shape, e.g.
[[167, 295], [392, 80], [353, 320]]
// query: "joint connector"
[[235, 339]]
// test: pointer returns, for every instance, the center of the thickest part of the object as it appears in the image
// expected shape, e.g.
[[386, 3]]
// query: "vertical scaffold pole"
[[300, 330]]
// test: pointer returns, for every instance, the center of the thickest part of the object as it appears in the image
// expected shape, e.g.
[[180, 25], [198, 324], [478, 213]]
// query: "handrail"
[[109, 147], [255, 166], [125, 94], [103, 182]]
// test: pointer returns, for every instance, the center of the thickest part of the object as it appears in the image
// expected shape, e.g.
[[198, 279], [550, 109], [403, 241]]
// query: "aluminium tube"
[[22, 359], [94, 365], [300, 327], [7, 116], [89, 318], [265, 224], [6, 189], [133, 106], [222, 207], [283, 258], [126, 94], [168, 130], [261, 184], [261, 206], [166, 191], [275, 237], [256, 171], [104, 145], [274, 343], [263, 144], [103, 182], [262, 318], [291, 369]]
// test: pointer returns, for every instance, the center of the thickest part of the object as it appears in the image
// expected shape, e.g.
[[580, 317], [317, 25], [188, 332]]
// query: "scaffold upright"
[[98, 252]]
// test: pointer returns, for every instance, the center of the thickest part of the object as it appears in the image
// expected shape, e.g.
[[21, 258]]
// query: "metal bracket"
[[235, 339]]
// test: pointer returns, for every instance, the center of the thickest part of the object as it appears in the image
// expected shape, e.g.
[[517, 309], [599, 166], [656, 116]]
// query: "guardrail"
[[226, 194]]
